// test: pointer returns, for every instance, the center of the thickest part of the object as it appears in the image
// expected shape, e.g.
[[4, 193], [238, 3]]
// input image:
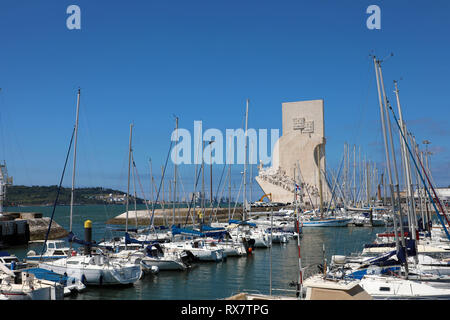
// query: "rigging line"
[[237, 197], [184, 195], [134, 190], [152, 184], [188, 204], [305, 186], [139, 182], [57, 195], [220, 181], [192, 198], [160, 183], [217, 191], [340, 190], [335, 183], [423, 181], [220, 198]]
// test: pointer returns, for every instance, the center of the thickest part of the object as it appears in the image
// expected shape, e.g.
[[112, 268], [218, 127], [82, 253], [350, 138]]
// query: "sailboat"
[[149, 254], [409, 282], [146, 249], [92, 267]]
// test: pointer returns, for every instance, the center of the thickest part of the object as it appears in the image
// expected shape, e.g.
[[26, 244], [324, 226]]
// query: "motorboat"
[[27, 287], [53, 249], [199, 248]]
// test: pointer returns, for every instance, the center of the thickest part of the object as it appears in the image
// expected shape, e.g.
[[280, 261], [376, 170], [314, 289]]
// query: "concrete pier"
[[165, 217]]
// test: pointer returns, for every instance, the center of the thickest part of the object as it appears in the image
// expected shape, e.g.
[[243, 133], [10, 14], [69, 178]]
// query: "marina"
[[187, 158], [211, 280]]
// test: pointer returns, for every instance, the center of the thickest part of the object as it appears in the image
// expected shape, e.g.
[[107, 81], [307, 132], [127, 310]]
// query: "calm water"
[[213, 280]]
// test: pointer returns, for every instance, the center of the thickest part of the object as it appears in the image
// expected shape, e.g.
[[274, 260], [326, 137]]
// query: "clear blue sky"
[[144, 61]]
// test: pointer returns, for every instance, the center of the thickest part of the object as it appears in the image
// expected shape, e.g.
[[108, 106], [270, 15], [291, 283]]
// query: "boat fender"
[[83, 279], [100, 279]]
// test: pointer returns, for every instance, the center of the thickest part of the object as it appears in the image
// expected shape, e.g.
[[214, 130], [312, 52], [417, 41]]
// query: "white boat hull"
[[326, 223], [113, 274], [396, 288], [162, 264]]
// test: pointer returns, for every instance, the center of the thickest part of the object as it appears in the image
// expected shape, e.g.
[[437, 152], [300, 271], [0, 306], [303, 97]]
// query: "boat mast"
[[152, 184], [74, 161], [368, 183], [386, 149], [134, 190], [250, 155], [210, 181], [424, 219], [318, 153], [166, 219], [354, 175], [297, 221], [175, 174], [129, 169], [229, 183], [244, 214], [394, 164], [203, 186], [407, 165]]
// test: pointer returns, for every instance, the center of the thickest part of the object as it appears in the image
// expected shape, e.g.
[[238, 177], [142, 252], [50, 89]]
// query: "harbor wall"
[[17, 228], [165, 217]]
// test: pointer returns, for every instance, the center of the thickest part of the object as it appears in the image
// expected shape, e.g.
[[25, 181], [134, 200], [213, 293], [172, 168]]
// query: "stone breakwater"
[[37, 224], [182, 216]]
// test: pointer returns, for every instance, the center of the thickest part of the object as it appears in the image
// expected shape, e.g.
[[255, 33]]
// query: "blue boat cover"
[[241, 222], [189, 232], [213, 232], [129, 240], [48, 275]]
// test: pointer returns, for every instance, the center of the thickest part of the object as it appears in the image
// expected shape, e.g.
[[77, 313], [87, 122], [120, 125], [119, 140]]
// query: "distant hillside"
[[46, 195]]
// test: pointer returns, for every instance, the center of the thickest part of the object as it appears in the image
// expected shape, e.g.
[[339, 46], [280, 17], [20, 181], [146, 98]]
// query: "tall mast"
[[297, 221], [134, 190], [424, 219], [394, 164], [175, 174], [318, 153], [250, 155], [368, 183], [203, 184], [386, 149], [354, 175], [210, 180], [407, 165], [4, 181], [229, 185], [129, 169], [244, 215], [152, 184], [162, 201], [74, 161]]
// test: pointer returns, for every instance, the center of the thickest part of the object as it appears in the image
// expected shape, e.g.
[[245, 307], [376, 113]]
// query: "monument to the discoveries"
[[299, 153]]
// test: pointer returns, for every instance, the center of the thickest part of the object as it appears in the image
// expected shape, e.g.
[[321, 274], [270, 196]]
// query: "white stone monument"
[[296, 153]]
